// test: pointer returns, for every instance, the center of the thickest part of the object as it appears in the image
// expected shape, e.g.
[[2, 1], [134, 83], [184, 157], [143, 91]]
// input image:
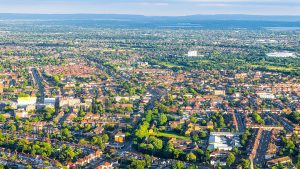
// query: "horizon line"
[[149, 15]]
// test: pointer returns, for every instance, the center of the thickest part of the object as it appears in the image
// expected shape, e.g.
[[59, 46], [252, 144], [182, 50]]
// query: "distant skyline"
[[153, 7]]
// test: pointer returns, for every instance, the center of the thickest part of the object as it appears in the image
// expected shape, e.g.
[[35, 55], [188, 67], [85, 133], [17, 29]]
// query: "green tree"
[[193, 119], [157, 143], [163, 119], [245, 163], [191, 157], [148, 160], [178, 165], [2, 118], [202, 135], [66, 133], [142, 131], [148, 116], [230, 159], [169, 150], [105, 138]]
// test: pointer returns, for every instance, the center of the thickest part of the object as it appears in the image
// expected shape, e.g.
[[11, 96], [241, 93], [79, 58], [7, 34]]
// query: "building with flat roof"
[[223, 141], [266, 95], [50, 101], [120, 137], [192, 53], [25, 101]]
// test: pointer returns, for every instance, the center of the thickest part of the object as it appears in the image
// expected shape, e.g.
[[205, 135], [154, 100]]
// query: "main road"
[[39, 81], [240, 121], [157, 93], [262, 148]]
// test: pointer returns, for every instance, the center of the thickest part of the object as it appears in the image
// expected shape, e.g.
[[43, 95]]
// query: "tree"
[[132, 92], [178, 153], [221, 123], [163, 109], [148, 116], [2, 118], [202, 135], [148, 160], [235, 150], [230, 159], [245, 163], [193, 167], [83, 141], [48, 113], [146, 148], [193, 119], [98, 140], [7, 109], [169, 150], [163, 119], [191, 157], [105, 138], [22, 94], [199, 152], [157, 143], [67, 153], [298, 164], [258, 118], [203, 122], [195, 137], [142, 131], [138, 164], [230, 90], [66, 133], [178, 165], [12, 128], [207, 155], [87, 127]]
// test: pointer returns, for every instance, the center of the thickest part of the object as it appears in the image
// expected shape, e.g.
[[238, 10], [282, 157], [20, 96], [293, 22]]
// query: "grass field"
[[169, 65], [170, 135]]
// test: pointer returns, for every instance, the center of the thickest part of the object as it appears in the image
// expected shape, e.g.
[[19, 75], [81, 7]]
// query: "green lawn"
[[171, 135], [169, 65], [275, 68]]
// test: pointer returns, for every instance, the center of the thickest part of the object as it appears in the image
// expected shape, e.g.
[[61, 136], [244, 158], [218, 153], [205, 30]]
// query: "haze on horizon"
[[153, 7]]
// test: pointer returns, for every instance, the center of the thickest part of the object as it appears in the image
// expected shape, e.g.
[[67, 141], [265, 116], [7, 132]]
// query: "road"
[[241, 122], [262, 148], [288, 127], [157, 94], [38, 80]]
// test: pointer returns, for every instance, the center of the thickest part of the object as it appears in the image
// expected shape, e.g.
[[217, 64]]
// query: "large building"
[[266, 95], [219, 92], [120, 137], [50, 101], [25, 101], [223, 141], [69, 101], [192, 53], [281, 54]]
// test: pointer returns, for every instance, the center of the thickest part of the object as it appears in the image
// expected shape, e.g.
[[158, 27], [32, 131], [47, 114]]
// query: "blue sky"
[[154, 7]]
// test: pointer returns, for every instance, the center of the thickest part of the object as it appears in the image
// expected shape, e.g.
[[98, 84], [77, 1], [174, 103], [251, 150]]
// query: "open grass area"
[[276, 68], [170, 135], [169, 65], [201, 61]]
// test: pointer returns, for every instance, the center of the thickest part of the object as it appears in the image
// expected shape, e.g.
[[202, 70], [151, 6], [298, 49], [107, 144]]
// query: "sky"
[[153, 7]]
